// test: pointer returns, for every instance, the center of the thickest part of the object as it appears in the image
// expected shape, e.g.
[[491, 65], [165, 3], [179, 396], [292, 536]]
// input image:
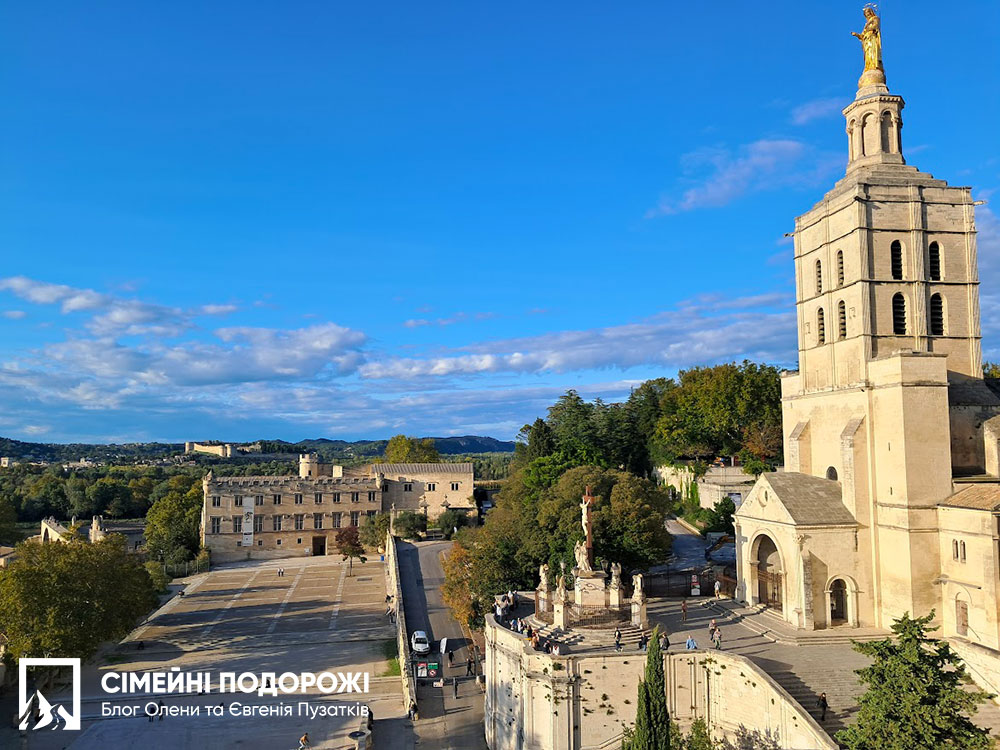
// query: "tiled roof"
[[410, 470], [976, 496], [809, 500]]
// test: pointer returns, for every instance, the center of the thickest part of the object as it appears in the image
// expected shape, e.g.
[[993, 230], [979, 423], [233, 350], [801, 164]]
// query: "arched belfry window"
[[934, 262], [820, 326], [831, 473], [936, 315], [896, 259], [819, 277], [899, 314], [842, 319], [840, 268]]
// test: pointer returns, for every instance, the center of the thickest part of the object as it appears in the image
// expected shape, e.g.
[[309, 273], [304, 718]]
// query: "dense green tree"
[[409, 525], [65, 599], [699, 737], [991, 370], [642, 736], [535, 440], [172, 526], [8, 520], [402, 449], [915, 694], [750, 739], [450, 521], [374, 530], [656, 691], [720, 518]]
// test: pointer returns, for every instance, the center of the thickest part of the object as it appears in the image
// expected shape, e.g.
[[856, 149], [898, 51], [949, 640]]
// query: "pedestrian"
[[618, 640], [822, 705], [470, 667], [451, 657], [150, 712], [454, 686], [684, 610], [159, 709], [664, 641], [691, 644], [718, 589], [711, 627], [141, 646], [304, 741], [411, 711], [717, 639]]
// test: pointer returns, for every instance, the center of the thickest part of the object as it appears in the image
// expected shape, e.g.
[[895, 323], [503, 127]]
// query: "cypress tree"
[[641, 737], [657, 692]]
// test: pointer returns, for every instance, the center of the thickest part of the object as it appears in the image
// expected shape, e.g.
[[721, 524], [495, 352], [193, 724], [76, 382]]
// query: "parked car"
[[419, 642]]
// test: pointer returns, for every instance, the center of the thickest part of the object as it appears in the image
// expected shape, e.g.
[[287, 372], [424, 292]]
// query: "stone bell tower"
[[889, 398]]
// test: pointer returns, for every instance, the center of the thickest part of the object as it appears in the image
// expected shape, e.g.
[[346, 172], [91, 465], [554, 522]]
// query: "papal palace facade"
[[890, 498], [282, 516]]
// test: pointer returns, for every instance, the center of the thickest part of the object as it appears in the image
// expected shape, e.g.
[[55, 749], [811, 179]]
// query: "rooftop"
[[809, 500]]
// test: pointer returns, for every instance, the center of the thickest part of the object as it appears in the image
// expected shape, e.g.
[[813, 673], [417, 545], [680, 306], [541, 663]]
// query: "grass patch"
[[390, 652]]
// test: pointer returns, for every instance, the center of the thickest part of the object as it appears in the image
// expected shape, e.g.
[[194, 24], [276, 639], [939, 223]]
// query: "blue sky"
[[303, 219]]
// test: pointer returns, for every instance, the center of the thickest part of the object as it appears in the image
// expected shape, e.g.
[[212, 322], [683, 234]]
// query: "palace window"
[[258, 524], [961, 551], [276, 523], [216, 525], [431, 487], [899, 314], [276, 499], [896, 259], [238, 500], [371, 513], [299, 522], [934, 261], [336, 520], [238, 524], [216, 501], [407, 487], [318, 498], [454, 486], [317, 520], [840, 268], [258, 499], [298, 498], [336, 497], [371, 497], [355, 518], [842, 319], [937, 315], [819, 277], [355, 497], [820, 326]]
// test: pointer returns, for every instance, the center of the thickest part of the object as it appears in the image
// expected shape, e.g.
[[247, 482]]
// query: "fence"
[[597, 615], [679, 582], [394, 587], [189, 568]]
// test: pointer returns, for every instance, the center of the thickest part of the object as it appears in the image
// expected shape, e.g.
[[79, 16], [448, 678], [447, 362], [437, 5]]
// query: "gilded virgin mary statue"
[[871, 45]]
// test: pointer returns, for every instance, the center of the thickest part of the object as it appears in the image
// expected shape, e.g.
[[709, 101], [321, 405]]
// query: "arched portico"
[[841, 602], [766, 573]]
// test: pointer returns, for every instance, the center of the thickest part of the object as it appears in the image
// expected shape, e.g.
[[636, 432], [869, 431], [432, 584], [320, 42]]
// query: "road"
[[688, 547], [446, 722]]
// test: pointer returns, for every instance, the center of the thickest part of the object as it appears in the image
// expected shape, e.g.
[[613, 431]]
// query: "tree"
[[720, 518], [64, 599], [991, 370], [349, 545], [374, 530], [402, 450], [656, 689], [450, 521], [409, 525], [750, 739], [8, 520], [916, 695], [109, 496], [172, 526], [699, 738]]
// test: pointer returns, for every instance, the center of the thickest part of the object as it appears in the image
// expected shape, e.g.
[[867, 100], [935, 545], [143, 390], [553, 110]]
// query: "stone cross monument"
[[590, 589], [585, 521]]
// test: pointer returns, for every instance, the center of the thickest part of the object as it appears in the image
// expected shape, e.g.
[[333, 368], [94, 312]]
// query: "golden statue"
[[871, 44]]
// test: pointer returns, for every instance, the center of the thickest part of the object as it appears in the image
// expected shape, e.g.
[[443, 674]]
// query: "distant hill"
[[56, 452]]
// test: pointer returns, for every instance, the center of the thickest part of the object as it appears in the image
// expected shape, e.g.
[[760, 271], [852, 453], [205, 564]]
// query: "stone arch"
[[885, 132], [841, 601], [766, 569], [831, 473], [870, 134]]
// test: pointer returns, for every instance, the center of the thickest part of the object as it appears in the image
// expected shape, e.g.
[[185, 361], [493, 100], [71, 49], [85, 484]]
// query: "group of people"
[[643, 642], [390, 609], [504, 606]]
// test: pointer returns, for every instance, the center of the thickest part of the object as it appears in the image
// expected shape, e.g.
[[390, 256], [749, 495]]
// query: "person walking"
[[451, 658], [470, 667], [304, 741], [159, 709], [718, 589], [618, 640], [411, 712], [717, 639], [454, 686], [711, 627], [684, 610], [822, 705], [691, 644], [664, 641]]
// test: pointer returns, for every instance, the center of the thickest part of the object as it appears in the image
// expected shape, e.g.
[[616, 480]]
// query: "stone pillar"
[[559, 618]]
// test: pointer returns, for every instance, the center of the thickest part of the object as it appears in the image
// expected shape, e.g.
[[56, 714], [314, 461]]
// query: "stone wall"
[[583, 701], [394, 587]]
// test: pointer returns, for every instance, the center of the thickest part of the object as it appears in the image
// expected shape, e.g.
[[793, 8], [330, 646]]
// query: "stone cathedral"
[[889, 501]]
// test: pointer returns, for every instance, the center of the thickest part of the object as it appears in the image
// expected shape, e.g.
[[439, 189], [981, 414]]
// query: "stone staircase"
[[579, 640]]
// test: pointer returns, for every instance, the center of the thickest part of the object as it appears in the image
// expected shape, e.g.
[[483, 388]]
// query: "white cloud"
[[416, 323], [13, 314], [43, 293], [817, 109], [767, 164], [217, 309]]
